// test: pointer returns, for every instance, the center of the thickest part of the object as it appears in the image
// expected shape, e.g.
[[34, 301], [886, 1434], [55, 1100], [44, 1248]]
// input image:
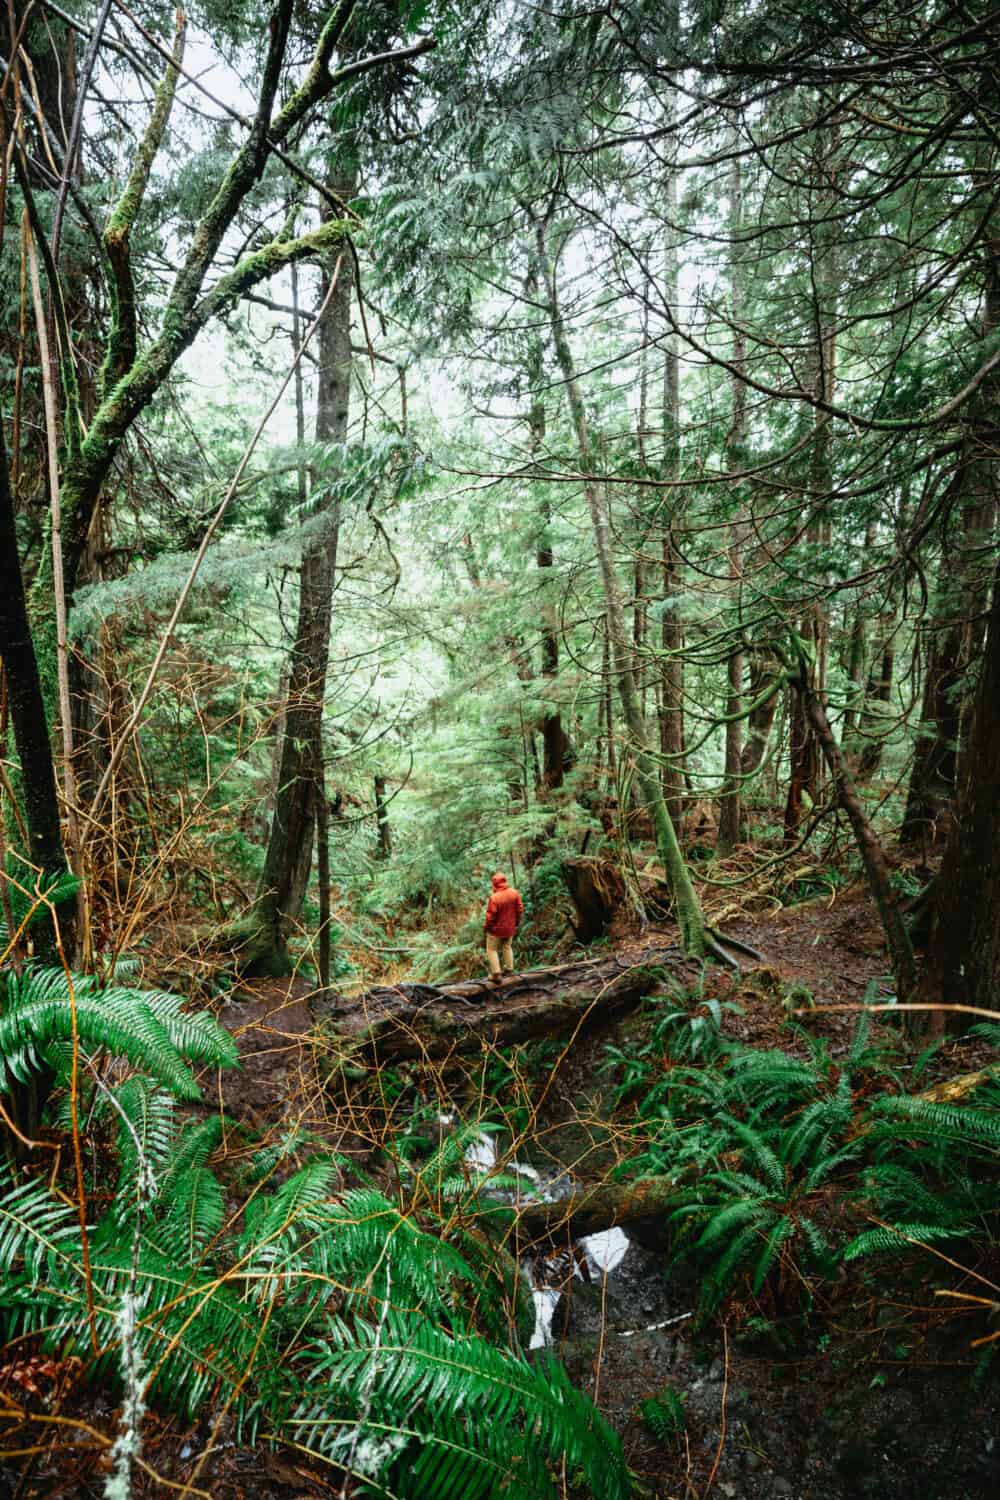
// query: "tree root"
[[717, 942], [716, 950]]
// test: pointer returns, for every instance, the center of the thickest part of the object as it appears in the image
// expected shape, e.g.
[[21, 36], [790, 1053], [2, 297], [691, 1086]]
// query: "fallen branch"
[[604, 1206]]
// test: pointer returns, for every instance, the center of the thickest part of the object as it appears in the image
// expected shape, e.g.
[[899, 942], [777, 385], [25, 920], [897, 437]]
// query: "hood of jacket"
[[499, 882]]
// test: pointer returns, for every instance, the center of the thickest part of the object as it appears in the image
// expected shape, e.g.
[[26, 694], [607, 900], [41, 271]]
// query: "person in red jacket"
[[504, 911]]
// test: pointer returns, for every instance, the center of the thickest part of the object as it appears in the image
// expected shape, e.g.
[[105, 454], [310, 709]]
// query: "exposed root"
[[717, 951], [735, 943]]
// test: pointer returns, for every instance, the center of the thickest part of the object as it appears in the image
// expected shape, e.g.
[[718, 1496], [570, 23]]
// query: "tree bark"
[[24, 696], [960, 597], [760, 718], [38, 780], [871, 851], [804, 754], [672, 626], [382, 819], [554, 742], [872, 728], [963, 963], [419, 1020], [730, 819], [288, 860]]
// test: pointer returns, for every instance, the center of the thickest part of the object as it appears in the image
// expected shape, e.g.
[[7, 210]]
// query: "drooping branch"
[[184, 315]]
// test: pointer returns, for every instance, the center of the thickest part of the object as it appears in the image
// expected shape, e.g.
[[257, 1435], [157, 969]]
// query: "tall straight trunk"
[[804, 752], [964, 953], [555, 745], [736, 447], [607, 707], [672, 628], [964, 576], [963, 963], [686, 903], [952, 642], [856, 655], [24, 696], [26, 705], [639, 602], [288, 860], [555, 748]]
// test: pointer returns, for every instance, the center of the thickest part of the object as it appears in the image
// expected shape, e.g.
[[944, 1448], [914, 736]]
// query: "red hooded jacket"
[[504, 909]]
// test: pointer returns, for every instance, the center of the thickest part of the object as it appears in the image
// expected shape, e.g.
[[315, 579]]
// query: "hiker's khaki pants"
[[497, 949]]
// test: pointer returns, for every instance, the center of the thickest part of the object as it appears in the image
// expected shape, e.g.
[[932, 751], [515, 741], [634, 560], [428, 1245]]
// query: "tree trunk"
[[24, 696], [853, 713], [288, 861], [964, 581], [804, 754], [873, 726], [419, 1020], [38, 781], [961, 596], [963, 964], [871, 851], [688, 907], [672, 628], [736, 446], [382, 819], [760, 718], [803, 764]]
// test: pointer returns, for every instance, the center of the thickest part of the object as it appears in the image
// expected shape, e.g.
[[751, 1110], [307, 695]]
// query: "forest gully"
[[500, 768]]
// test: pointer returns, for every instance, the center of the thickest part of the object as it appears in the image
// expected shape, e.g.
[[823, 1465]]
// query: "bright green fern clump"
[[376, 1338], [148, 1027], [664, 1415]]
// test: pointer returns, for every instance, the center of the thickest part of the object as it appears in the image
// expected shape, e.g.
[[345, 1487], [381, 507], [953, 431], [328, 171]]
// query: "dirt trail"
[[277, 1088]]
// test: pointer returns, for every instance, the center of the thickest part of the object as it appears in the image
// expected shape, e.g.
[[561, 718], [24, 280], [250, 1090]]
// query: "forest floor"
[[874, 1396], [881, 1403]]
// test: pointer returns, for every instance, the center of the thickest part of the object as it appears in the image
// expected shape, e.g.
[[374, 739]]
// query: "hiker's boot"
[[496, 979]]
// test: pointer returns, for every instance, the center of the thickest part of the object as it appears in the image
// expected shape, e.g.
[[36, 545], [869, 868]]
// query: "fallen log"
[[393, 1023], [958, 1088], [603, 1206]]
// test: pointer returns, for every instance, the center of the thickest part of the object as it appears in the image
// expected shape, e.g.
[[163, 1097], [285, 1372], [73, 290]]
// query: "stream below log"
[[767, 1418]]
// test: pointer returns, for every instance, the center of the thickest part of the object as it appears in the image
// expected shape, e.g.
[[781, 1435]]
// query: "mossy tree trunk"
[[672, 624]]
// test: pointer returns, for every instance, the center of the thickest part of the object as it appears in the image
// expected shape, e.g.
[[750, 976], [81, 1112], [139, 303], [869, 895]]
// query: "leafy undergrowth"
[[272, 1295], [379, 1342]]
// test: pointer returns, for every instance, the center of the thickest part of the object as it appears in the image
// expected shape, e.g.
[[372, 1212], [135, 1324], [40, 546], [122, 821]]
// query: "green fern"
[[145, 1026], [895, 1238], [479, 1421], [31, 896], [957, 1124], [664, 1415]]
